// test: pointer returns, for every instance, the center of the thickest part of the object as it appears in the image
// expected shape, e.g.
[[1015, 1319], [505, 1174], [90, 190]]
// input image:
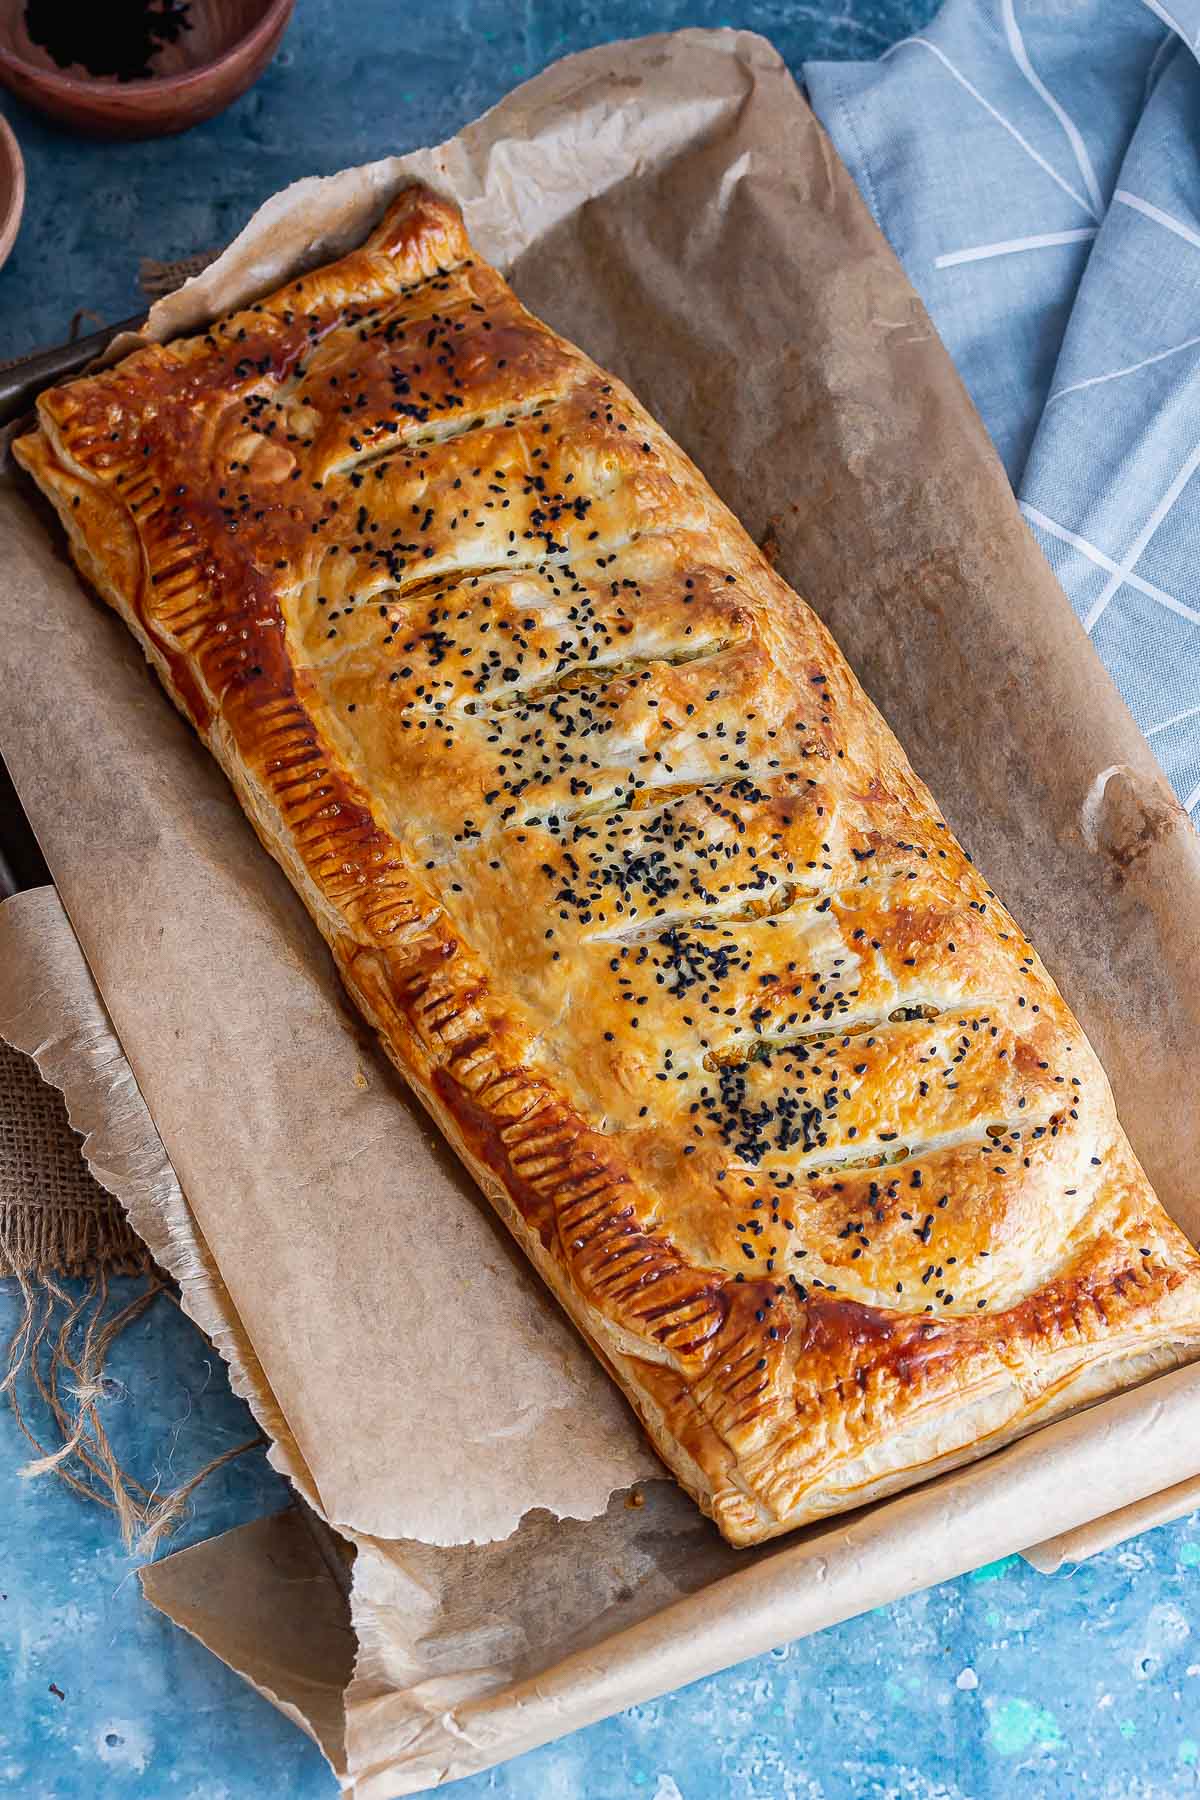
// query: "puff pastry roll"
[[633, 882]]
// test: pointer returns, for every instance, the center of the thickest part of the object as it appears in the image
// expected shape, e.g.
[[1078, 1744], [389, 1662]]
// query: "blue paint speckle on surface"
[[994, 1570], [1018, 1725], [1001, 1684]]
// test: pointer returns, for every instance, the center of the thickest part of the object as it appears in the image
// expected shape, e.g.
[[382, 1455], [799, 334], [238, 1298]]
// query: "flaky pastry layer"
[[637, 888]]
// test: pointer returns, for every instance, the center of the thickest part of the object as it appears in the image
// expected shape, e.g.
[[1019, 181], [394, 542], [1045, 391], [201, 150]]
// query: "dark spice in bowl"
[[117, 39]]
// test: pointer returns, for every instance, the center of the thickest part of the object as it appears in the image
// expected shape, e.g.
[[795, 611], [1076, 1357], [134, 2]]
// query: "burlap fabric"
[[55, 1218]]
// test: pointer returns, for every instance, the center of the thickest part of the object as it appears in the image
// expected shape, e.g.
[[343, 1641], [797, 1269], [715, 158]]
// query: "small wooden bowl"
[[12, 188], [223, 51]]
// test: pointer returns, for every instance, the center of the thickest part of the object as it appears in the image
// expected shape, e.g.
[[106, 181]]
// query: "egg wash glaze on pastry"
[[635, 885]]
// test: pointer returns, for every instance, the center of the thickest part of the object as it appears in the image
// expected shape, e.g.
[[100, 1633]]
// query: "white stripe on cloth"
[[998, 116], [1160, 12], [1189, 712], [1074, 387], [1016, 44], [1102, 561], [1009, 246], [1158, 215], [1166, 502]]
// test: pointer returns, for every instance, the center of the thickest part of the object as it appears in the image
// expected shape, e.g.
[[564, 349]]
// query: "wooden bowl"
[[12, 188], [223, 50]]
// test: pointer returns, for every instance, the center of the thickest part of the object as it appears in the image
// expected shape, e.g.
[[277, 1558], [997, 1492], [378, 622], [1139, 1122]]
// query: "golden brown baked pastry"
[[637, 888]]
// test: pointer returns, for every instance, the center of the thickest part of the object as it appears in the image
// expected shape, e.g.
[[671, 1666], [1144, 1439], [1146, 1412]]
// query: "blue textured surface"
[[1003, 1683]]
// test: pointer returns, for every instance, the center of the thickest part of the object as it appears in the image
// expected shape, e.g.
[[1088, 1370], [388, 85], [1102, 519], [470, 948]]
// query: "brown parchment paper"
[[673, 206]]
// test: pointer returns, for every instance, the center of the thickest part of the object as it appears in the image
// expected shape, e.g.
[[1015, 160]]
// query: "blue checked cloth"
[[1035, 165]]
